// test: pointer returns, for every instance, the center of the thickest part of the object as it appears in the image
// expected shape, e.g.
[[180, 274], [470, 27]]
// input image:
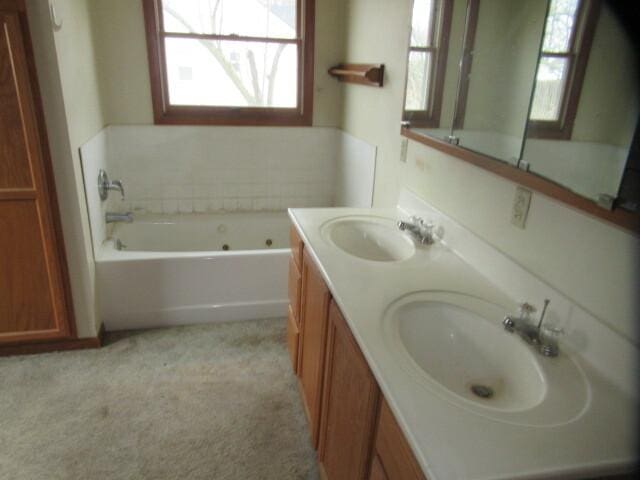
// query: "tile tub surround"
[[167, 169], [453, 442]]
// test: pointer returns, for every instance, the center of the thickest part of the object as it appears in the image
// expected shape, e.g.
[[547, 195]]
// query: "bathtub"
[[164, 270]]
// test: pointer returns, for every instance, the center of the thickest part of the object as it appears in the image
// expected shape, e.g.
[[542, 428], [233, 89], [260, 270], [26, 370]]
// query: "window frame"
[[577, 56], [439, 41], [168, 114]]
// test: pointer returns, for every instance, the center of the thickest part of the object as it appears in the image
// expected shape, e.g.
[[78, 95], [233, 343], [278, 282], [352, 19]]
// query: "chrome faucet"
[[104, 185], [112, 217], [531, 332], [423, 232]]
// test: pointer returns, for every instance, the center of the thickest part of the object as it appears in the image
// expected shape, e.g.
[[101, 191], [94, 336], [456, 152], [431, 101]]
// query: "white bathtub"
[[172, 269]]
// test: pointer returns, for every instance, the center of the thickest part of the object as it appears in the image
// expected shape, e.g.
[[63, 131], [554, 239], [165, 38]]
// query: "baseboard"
[[55, 346]]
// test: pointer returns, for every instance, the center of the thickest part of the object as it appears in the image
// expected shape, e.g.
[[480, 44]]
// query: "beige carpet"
[[199, 402]]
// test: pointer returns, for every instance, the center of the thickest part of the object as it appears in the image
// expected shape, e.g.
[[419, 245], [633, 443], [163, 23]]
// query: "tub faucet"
[[531, 332], [104, 185], [112, 217], [423, 232]]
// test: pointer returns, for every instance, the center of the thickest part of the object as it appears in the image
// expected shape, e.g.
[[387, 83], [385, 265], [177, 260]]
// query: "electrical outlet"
[[403, 149], [520, 210]]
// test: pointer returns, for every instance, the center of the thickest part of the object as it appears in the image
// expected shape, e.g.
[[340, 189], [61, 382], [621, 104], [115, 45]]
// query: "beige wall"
[[69, 85], [594, 263], [504, 63], [609, 102], [124, 69]]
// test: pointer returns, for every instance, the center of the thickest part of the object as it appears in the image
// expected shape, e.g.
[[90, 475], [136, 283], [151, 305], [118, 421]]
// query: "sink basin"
[[454, 344], [369, 237]]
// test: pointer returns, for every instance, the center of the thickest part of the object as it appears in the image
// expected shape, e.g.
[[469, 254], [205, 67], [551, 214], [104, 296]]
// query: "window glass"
[[550, 85], [422, 23], [254, 18], [418, 75], [231, 74], [560, 24]]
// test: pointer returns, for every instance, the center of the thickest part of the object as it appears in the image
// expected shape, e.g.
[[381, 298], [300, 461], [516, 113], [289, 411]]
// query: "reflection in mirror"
[[500, 55], [585, 107]]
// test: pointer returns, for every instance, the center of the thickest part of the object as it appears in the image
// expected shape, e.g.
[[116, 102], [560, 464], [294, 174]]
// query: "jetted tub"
[[183, 269]]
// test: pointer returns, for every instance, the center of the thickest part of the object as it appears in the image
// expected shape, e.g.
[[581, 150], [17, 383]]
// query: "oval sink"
[[456, 346], [370, 238]]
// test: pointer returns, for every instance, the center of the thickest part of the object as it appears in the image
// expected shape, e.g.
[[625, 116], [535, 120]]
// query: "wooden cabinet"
[[351, 425], [349, 405], [34, 292], [313, 329], [392, 458]]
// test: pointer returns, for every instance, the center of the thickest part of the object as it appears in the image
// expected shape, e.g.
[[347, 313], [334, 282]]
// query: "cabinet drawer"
[[295, 286], [296, 244], [293, 335], [392, 450]]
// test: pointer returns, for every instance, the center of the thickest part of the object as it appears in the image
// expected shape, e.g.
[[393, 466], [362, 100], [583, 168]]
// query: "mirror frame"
[[618, 216]]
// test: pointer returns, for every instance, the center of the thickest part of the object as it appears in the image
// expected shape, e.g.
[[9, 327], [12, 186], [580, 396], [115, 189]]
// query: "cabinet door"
[[392, 452], [34, 301], [350, 402], [313, 329]]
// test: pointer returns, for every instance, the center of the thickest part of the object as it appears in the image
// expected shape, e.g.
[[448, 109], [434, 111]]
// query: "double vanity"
[[408, 368]]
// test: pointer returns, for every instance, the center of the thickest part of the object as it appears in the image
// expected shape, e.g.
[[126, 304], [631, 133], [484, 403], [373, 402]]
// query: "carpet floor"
[[200, 402]]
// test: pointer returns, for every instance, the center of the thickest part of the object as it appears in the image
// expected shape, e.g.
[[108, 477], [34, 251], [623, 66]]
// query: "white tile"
[[170, 206], [185, 205]]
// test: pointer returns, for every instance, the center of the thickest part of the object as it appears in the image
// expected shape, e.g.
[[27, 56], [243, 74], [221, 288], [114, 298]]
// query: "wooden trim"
[[13, 6], [229, 38], [581, 41], [56, 346], [471, 25], [617, 217], [166, 114]]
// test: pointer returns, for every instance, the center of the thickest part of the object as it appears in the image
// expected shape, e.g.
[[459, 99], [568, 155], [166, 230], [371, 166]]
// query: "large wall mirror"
[[549, 87]]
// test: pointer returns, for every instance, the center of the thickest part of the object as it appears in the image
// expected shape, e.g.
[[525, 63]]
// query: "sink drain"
[[482, 391]]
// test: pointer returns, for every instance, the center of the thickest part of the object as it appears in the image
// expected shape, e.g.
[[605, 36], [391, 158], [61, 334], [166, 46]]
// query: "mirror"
[[585, 105], [549, 86], [471, 70]]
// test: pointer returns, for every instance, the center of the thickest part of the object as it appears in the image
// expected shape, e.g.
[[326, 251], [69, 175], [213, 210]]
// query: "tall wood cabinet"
[[34, 292]]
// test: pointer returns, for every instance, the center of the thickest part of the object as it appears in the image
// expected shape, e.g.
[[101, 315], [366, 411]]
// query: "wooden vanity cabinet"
[[351, 426], [392, 456], [349, 405], [314, 311]]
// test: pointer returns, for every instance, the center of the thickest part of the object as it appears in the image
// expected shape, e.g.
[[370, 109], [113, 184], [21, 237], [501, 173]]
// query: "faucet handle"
[[526, 309]]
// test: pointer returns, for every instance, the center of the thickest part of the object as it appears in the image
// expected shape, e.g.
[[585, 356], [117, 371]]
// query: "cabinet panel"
[[313, 329], [392, 449], [297, 246], [25, 295], [349, 406], [292, 340], [295, 288], [15, 168], [377, 470]]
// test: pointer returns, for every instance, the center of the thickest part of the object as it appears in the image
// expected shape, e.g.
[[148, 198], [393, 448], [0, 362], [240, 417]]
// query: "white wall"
[[68, 81], [593, 263]]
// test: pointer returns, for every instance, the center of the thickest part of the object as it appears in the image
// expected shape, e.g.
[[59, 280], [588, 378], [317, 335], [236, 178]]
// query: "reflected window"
[[231, 61], [569, 29], [430, 26]]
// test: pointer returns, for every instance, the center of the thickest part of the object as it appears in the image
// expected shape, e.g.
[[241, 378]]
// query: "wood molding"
[[55, 346], [618, 217], [167, 114]]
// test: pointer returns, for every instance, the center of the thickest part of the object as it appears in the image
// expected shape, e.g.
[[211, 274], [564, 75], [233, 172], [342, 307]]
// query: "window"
[[430, 25], [563, 59], [234, 62]]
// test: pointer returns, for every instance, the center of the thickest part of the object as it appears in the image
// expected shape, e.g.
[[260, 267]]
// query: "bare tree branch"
[[215, 50]]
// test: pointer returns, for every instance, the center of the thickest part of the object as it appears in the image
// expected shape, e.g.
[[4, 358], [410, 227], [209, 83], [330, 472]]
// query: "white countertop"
[[451, 442]]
